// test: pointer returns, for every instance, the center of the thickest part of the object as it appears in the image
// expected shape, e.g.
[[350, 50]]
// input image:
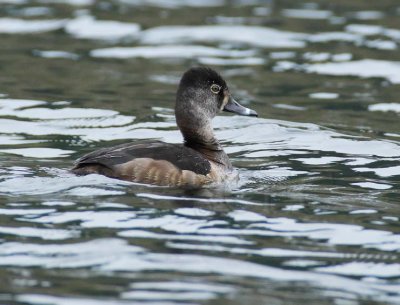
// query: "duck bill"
[[235, 107]]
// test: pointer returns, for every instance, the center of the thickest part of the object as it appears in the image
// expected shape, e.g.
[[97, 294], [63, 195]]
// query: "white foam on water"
[[248, 61], [58, 203], [150, 295], [229, 20], [35, 11], [20, 26], [342, 57], [86, 27], [69, 2], [8, 104], [373, 185], [392, 33], [43, 233], [382, 171], [381, 44], [306, 13], [381, 270], [289, 107], [320, 160], [293, 207], [13, 1], [274, 174], [364, 68], [250, 35], [15, 140], [195, 212], [334, 36], [62, 113], [242, 215], [324, 95], [364, 211], [390, 134], [205, 200], [186, 237], [385, 107], [38, 152], [282, 55], [174, 4], [91, 191], [173, 51], [317, 56], [56, 54], [302, 263], [40, 299], [88, 122], [182, 286], [62, 182], [25, 211], [364, 29], [261, 11], [369, 15]]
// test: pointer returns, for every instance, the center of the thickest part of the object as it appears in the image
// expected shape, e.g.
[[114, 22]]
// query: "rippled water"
[[315, 216]]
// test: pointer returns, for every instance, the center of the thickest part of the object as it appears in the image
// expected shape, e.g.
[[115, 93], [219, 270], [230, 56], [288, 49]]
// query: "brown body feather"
[[171, 165], [160, 172]]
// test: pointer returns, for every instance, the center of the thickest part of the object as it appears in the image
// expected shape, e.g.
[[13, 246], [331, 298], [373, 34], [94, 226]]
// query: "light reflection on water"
[[315, 215]]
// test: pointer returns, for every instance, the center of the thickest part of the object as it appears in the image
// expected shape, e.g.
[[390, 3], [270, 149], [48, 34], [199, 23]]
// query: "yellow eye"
[[215, 88]]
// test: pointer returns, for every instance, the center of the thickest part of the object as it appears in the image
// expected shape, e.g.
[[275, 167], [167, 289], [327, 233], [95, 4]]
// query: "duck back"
[[148, 162]]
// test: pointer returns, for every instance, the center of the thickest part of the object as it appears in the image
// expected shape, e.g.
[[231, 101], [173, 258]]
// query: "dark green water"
[[315, 216]]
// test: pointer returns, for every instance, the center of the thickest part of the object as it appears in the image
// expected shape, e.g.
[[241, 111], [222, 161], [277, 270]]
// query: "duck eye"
[[215, 88]]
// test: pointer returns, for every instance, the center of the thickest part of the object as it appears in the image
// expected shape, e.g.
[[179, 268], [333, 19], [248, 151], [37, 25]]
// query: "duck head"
[[202, 94]]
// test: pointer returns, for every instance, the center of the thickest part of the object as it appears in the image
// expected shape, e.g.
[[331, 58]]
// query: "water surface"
[[315, 216]]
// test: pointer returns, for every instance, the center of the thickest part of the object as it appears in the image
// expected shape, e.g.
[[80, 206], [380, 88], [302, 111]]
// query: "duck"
[[198, 162]]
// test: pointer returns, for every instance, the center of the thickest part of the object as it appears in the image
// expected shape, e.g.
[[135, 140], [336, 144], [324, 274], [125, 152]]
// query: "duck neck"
[[203, 140]]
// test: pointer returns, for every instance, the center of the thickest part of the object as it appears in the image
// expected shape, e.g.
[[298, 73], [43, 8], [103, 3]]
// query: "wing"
[[184, 158]]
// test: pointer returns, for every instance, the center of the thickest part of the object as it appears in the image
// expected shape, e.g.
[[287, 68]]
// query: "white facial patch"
[[224, 102]]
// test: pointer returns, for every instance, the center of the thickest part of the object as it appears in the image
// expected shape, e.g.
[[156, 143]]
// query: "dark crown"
[[201, 77]]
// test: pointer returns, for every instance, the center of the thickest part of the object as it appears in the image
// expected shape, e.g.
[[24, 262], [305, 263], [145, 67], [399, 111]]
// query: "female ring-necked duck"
[[200, 161]]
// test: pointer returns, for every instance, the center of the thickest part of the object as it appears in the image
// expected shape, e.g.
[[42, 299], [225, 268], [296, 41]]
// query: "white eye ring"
[[215, 88]]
